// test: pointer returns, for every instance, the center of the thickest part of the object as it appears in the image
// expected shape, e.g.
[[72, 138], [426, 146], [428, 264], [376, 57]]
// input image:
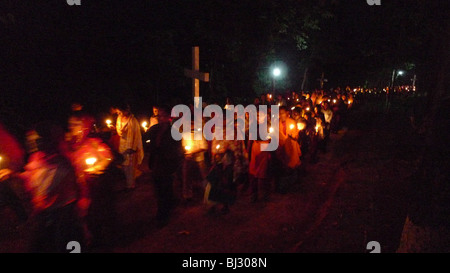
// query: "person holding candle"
[[51, 180], [12, 159], [92, 160], [130, 143]]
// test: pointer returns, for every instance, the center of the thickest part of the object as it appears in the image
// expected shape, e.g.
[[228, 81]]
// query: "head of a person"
[[155, 111], [164, 114], [123, 109], [283, 113], [79, 126], [45, 137]]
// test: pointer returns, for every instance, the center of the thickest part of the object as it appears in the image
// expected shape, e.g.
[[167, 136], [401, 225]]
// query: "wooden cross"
[[195, 73], [322, 80]]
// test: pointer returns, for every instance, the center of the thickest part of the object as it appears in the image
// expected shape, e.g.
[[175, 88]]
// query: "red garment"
[[259, 160], [11, 151], [51, 181]]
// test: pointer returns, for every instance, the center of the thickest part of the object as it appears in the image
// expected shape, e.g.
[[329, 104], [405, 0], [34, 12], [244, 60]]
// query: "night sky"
[[54, 54]]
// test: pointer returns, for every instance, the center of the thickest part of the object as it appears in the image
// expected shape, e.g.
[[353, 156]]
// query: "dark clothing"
[[165, 158], [165, 153], [54, 229]]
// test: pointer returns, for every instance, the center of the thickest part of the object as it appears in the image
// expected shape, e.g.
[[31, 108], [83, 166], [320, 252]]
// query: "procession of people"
[[72, 177]]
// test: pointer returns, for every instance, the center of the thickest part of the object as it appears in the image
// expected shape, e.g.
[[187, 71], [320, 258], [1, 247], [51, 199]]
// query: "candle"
[[307, 108], [317, 128], [187, 148], [334, 101], [91, 161], [291, 126], [271, 130], [218, 147], [144, 124]]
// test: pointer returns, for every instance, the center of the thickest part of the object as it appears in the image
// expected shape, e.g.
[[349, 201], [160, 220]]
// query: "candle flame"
[[108, 121], [187, 147], [218, 147], [271, 130], [91, 161], [300, 126], [144, 124], [291, 126]]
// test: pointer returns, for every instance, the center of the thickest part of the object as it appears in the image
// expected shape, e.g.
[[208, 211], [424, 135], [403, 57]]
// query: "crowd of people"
[[68, 174]]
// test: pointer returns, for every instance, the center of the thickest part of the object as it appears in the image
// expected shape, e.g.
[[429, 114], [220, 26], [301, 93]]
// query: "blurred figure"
[[92, 159], [154, 118], [130, 143], [11, 160], [259, 167], [165, 158], [194, 165], [52, 183]]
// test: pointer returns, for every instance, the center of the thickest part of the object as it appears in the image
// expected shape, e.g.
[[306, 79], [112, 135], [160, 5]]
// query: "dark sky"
[[99, 53]]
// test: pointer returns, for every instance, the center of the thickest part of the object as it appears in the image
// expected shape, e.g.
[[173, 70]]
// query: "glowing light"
[[271, 130], [293, 108], [144, 124], [218, 147], [276, 72], [91, 161], [147, 141], [301, 126], [307, 108], [334, 101], [317, 128], [292, 126], [187, 148], [108, 122]]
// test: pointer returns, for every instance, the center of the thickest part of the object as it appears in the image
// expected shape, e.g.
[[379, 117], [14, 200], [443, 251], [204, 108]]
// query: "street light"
[[276, 72]]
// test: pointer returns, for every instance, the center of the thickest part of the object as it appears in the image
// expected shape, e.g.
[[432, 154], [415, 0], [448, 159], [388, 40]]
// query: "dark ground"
[[353, 195]]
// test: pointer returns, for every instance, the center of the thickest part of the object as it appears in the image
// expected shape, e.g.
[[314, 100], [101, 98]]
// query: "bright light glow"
[[218, 147], [317, 128], [91, 161], [293, 108], [1, 158], [400, 72], [144, 124], [147, 141], [276, 72], [291, 126], [334, 101], [301, 126], [187, 148], [307, 108], [271, 130], [108, 121]]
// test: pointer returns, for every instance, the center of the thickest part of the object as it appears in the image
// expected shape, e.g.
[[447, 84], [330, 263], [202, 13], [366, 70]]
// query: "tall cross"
[[195, 73], [322, 80]]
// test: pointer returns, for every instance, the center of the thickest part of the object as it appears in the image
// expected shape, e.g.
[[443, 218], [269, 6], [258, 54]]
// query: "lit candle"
[[187, 148], [334, 101], [218, 147], [292, 126], [317, 128], [91, 161], [144, 124], [271, 130], [307, 108], [108, 122]]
